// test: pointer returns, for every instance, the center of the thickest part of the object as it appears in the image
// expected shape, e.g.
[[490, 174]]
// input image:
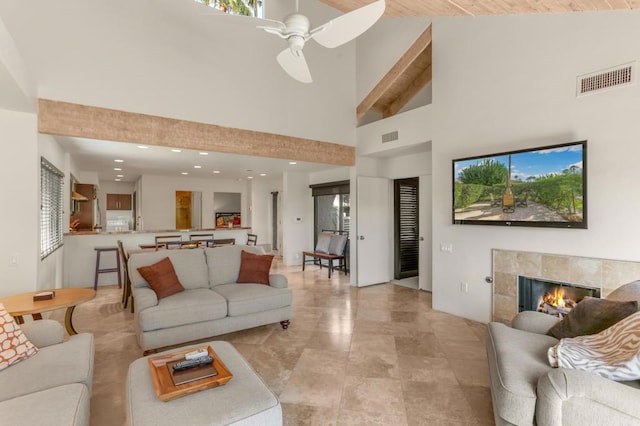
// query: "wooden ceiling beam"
[[396, 71], [68, 119], [413, 89]]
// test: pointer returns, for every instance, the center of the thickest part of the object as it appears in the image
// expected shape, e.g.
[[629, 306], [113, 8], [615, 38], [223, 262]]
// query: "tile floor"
[[374, 355]]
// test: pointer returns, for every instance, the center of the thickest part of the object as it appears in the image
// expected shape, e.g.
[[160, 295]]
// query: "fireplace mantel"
[[508, 265]]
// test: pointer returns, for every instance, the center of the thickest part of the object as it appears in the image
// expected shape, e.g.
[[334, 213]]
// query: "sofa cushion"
[[55, 365], [243, 299], [337, 244], [516, 360], [613, 353], [190, 266], [254, 268], [162, 278], [61, 405], [14, 345], [592, 315], [324, 239], [224, 262], [186, 307]]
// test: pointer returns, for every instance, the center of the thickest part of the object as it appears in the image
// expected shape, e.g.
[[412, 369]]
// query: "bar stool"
[[99, 270]]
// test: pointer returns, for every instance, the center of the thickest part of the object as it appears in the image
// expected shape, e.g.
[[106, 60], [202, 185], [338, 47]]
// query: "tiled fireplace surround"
[[589, 271]]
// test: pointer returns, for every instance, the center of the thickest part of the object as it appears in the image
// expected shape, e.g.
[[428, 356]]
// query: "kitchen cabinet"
[[118, 201]]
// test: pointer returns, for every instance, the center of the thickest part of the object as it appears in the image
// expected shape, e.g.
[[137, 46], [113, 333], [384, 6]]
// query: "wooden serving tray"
[[163, 384]]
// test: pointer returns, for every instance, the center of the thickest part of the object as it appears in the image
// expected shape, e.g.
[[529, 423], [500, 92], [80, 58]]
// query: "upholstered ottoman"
[[244, 400]]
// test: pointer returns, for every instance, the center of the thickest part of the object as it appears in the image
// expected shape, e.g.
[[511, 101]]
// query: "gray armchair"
[[526, 390]]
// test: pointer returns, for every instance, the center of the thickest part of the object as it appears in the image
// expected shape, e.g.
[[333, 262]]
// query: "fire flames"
[[554, 302]]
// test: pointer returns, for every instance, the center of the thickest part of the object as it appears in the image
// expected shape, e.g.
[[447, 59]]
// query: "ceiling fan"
[[295, 28]]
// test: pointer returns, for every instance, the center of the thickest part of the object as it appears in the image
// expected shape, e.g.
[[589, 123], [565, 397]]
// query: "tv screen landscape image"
[[543, 186]]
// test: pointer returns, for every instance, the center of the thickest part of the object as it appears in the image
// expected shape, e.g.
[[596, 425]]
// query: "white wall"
[[158, 203], [413, 127], [297, 202], [19, 215], [509, 83], [378, 49], [261, 208], [169, 58]]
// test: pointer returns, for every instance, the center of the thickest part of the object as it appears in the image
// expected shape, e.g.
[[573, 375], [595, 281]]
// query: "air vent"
[[622, 75], [390, 137]]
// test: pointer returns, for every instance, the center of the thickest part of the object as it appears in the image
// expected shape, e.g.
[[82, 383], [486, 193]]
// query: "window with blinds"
[[51, 230]]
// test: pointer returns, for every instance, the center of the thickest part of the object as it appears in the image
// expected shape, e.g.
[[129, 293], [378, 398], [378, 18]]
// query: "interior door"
[[406, 228], [373, 225], [424, 218]]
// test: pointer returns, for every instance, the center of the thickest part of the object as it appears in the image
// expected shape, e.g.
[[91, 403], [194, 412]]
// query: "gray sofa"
[[212, 303], [526, 390], [52, 387]]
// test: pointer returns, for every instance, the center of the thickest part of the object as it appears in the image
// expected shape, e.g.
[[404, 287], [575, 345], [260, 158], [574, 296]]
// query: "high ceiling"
[[413, 8], [67, 66]]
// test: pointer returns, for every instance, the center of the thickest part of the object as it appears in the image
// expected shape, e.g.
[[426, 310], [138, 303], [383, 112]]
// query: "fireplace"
[[552, 297]]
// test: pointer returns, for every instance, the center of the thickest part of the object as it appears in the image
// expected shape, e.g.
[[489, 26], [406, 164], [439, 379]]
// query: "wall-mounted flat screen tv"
[[544, 187]]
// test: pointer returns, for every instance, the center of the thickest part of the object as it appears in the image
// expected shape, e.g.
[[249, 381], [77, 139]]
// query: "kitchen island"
[[80, 255]]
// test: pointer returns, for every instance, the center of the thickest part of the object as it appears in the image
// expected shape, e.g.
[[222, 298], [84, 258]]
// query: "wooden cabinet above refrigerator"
[[118, 201]]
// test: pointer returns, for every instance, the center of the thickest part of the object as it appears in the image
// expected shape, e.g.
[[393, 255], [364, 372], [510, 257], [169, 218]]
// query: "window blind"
[[51, 230]]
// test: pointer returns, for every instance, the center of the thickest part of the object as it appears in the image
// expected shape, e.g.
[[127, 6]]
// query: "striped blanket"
[[613, 353]]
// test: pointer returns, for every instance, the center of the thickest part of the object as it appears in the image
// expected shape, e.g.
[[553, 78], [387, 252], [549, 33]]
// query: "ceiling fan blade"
[[348, 26], [295, 65]]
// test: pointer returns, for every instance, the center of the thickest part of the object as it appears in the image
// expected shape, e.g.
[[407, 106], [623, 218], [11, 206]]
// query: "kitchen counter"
[[80, 256], [160, 231]]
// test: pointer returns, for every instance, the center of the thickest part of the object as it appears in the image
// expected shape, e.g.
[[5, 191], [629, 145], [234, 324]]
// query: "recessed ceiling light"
[[204, 153], [119, 175], [293, 163], [197, 167], [118, 160], [185, 173], [118, 180], [263, 174], [117, 169], [216, 171], [176, 150], [249, 177], [143, 147]]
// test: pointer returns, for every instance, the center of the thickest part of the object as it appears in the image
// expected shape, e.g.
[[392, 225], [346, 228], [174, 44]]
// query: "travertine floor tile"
[[372, 343], [423, 344], [323, 362], [373, 364], [373, 396], [330, 341], [352, 356], [427, 403], [302, 415], [310, 388], [426, 369]]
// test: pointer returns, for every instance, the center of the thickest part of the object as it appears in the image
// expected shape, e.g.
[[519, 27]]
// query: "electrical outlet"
[[13, 259], [446, 247], [464, 287]]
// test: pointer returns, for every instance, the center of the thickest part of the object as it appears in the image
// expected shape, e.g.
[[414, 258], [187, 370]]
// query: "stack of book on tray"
[[192, 373]]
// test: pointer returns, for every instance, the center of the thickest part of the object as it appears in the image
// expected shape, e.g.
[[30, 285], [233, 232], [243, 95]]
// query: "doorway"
[[274, 220], [406, 228], [188, 209]]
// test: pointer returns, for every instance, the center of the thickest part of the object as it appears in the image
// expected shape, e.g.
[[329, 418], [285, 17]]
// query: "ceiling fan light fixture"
[[295, 28]]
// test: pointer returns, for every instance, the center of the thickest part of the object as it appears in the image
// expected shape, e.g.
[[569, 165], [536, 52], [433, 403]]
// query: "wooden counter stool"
[[99, 251]]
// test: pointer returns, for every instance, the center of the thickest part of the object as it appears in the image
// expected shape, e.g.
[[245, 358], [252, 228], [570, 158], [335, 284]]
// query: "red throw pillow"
[[254, 268], [162, 278]]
